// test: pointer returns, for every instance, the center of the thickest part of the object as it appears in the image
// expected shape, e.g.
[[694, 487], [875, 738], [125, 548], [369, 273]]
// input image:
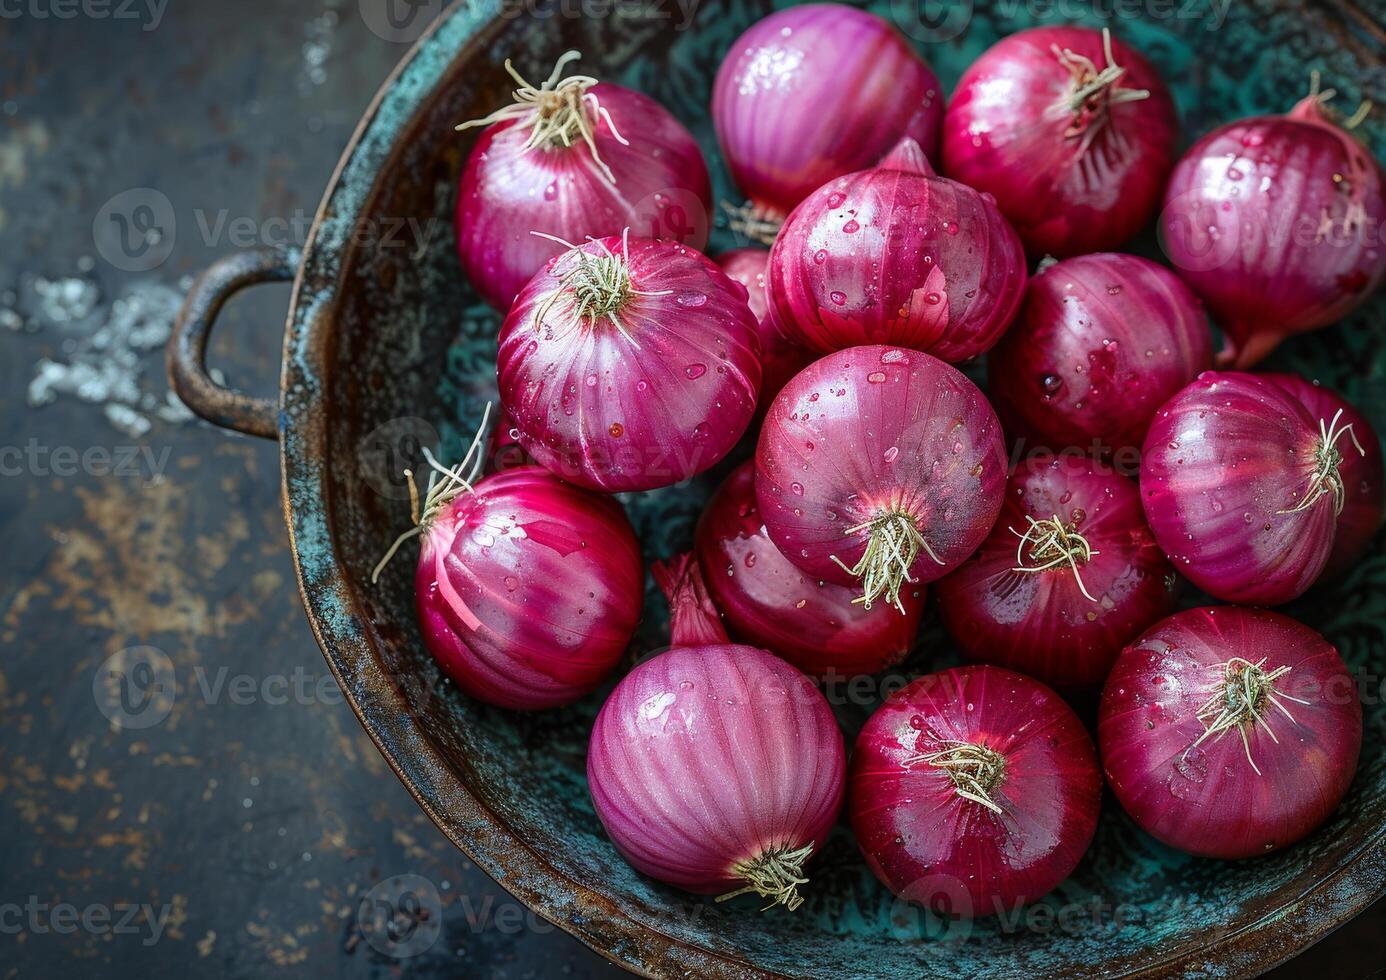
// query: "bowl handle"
[[187, 347]]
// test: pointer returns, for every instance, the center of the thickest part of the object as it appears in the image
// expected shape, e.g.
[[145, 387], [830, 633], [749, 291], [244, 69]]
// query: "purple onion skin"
[[704, 757], [814, 92], [1208, 800], [1275, 221], [1041, 623], [1101, 342], [1364, 483], [767, 601], [780, 359], [528, 591], [662, 190], [605, 414], [878, 429], [1001, 135], [931, 847], [1225, 462], [896, 255]]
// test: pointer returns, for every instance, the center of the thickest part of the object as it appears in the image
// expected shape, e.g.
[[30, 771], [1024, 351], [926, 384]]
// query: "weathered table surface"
[[182, 792]]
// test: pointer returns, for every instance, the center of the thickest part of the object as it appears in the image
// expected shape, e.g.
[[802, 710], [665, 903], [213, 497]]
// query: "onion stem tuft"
[[1329, 457], [884, 567], [1239, 702], [557, 112], [975, 770], [1052, 543], [1095, 90], [776, 875]]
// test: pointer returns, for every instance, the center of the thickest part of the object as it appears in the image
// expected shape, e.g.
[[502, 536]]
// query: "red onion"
[[1242, 488], [1068, 576], [573, 159], [780, 360], [528, 589], [1073, 132], [896, 255], [1360, 473], [693, 618], [973, 791], [718, 769], [765, 600], [811, 93], [1230, 732], [1101, 342], [1276, 222], [879, 467], [629, 365]]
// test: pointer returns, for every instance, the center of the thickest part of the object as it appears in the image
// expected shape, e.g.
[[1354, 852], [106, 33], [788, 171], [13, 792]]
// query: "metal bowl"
[[387, 348]]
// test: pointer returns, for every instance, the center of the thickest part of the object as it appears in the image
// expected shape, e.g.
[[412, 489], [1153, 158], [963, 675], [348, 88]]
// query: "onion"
[[573, 159], [1101, 342], [780, 360], [629, 365], [765, 600], [693, 619], [1072, 131], [973, 790], [1242, 488], [718, 769], [896, 255], [1068, 576], [528, 589], [1276, 222], [879, 467], [1361, 473], [811, 93], [1230, 732]]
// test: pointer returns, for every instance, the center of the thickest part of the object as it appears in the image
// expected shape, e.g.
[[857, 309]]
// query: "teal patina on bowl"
[[384, 340]]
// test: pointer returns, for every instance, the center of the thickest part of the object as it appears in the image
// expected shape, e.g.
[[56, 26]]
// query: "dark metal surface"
[[250, 814]]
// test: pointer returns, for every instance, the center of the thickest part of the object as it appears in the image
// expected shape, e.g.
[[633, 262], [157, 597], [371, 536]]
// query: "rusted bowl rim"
[[347, 639]]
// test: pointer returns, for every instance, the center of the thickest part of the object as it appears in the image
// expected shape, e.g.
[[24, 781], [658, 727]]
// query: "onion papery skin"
[[528, 591], [875, 430], [506, 192], [1257, 223], [615, 412], [1364, 483], [814, 92], [1002, 134], [1040, 622], [767, 601], [1101, 342], [896, 255], [954, 855], [704, 757], [780, 359], [1208, 800], [1225, 463]]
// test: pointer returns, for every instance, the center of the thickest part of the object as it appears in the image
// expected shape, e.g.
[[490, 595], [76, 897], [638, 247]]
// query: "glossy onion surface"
[[1201, 791], [529, 590], [930, 845]]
